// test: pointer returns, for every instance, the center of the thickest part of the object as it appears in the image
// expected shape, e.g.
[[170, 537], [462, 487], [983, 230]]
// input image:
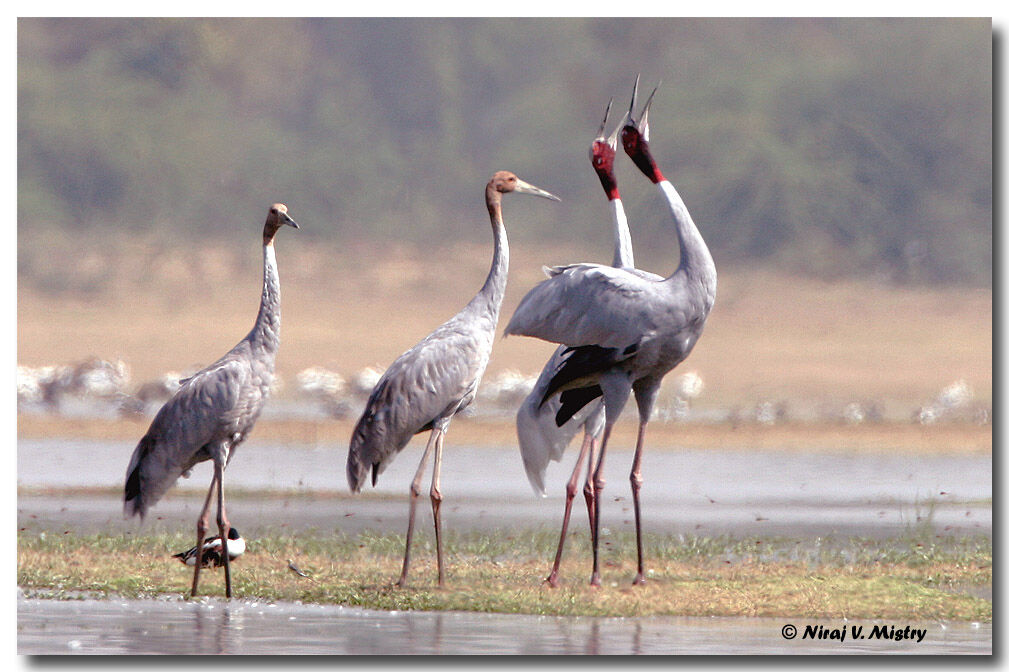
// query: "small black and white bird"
[[212, 550]]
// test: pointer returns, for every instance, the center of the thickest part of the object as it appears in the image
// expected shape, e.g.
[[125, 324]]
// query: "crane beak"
[[526, 188], [612, 140], [643, 121], [634, 97], [600, 136], [290, 222]]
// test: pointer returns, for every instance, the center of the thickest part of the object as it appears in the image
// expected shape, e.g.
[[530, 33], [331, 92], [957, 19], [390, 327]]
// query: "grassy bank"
[[916, 577]]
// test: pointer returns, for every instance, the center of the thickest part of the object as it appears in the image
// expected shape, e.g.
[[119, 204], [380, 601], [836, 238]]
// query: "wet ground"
[[246, 627], [743, 493]]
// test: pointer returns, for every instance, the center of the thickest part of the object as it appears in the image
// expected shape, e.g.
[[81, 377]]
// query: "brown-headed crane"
[[428, 384], [212, 412]]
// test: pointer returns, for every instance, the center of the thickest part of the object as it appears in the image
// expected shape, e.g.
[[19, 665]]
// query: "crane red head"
[[635, 138], [276, 218], [603, 154]]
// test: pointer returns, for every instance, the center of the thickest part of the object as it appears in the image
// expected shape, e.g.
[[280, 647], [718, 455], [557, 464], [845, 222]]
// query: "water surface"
[[686, 491], [211, 626]]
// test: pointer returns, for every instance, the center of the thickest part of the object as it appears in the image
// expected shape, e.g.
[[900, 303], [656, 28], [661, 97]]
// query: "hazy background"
[[830, 147], [839, 169]]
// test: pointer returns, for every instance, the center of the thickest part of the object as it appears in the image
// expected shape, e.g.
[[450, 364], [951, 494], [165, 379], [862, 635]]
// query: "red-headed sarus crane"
[[625, 329], [543, 434]]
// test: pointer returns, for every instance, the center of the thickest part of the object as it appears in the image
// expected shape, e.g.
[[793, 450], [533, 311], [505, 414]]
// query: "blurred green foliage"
[[833, 147]]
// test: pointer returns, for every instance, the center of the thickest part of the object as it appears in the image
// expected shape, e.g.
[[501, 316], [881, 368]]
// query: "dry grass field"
[[167, 308]]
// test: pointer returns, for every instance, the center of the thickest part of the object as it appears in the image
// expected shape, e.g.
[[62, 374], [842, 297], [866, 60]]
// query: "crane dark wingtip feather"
[[354, 477], [133, 507]]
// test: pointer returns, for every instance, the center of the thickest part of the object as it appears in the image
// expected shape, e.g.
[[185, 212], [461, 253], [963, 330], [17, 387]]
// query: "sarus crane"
[[212, 412], [624, 329], [428, 384], [542, 435]]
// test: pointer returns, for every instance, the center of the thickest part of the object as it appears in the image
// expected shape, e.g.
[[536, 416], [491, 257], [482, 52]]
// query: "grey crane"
[[212, 412], [542, 435], [428, 384], [625, 329]]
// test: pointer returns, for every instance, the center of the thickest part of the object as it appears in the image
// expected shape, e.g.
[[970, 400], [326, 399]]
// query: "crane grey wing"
[[429, 382], [588, 304], [205, 409]]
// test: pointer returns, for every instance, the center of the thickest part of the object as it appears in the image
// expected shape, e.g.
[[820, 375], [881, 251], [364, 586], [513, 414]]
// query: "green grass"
[[916, 576]]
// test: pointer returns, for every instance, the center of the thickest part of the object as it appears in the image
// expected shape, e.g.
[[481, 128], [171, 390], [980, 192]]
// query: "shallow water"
[[685, 491], [210, 626]]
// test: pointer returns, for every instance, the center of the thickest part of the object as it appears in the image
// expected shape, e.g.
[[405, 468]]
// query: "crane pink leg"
[[598, 483], [636, 481], [201, 534], [571, 490], [436, 504], [223, 526], [414, 495], [589, 491]]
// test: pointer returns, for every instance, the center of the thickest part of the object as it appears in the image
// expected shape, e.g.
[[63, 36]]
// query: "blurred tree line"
[[826, 146]]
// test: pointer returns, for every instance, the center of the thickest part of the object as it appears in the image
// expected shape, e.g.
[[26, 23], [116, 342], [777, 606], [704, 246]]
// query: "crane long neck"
[[266, 332], [494, 286], [695, 259], [623, 249]]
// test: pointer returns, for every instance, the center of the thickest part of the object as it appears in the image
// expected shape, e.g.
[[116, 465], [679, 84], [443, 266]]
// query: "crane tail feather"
[[134, 501]]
